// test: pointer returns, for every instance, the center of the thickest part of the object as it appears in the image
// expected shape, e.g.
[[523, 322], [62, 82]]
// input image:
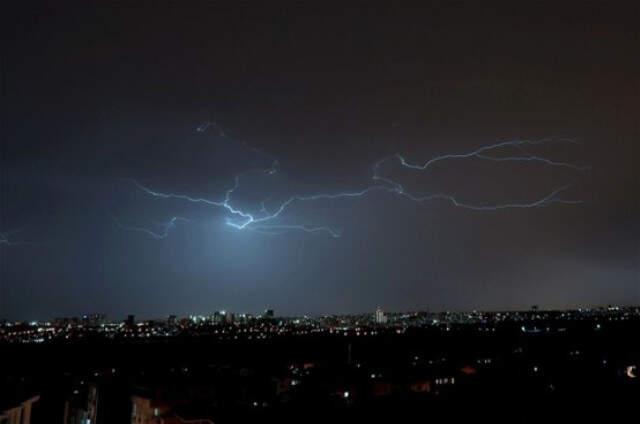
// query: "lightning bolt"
[[274, 230], [267, 222], [5, 239], [158, 235], [205, 126]]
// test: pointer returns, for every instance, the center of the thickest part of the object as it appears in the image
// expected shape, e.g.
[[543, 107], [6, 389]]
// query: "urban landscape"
[[228, 367]]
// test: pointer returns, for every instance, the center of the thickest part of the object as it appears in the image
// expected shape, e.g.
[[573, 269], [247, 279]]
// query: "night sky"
[[99, 103]]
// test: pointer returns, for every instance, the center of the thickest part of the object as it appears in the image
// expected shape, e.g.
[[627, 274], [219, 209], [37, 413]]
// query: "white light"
[[346, 395]]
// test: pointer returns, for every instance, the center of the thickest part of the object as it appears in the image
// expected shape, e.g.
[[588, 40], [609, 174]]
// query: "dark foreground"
[[414, 376]]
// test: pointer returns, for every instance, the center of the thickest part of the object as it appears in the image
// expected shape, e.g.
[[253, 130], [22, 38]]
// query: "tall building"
[[217, 317], [172, 321], [380, 317], [82, 406], [131, 321]]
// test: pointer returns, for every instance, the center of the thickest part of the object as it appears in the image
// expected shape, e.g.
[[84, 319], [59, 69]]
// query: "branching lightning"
[[269, 220], [480, 154], [4, 240], [545, 201]]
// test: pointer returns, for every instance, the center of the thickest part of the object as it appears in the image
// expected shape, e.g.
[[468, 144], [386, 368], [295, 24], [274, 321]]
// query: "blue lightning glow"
[[242, 219]]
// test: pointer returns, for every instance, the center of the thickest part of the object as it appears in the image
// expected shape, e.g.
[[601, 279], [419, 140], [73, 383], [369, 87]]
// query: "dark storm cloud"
[[94, 95]]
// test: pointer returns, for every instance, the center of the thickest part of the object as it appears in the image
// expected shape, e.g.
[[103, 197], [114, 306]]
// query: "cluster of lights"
[[229, 326]]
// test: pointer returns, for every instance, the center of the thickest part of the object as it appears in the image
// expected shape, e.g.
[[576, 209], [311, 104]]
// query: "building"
[[66, 321], [172, 321], [217, 318], [94, 320], [16, 412], [130, 321], [82, 406], [150, 411], [145, 410], [380, 317]]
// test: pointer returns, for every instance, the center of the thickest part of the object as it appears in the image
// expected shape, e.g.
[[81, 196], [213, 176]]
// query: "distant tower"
[[131, 321], [268, 313], [380, 317]]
